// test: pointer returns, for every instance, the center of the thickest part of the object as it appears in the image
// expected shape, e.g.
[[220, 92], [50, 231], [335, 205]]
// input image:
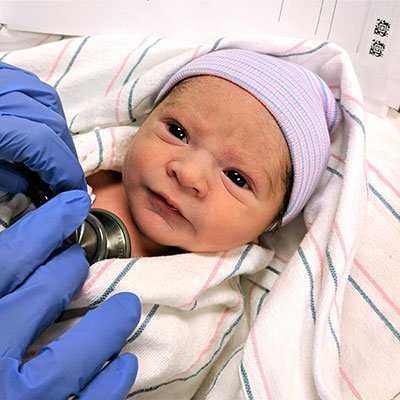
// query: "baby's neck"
[[110, 195]]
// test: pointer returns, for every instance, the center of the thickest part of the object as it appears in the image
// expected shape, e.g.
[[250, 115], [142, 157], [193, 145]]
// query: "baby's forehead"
[[205, 82], [209, 87]]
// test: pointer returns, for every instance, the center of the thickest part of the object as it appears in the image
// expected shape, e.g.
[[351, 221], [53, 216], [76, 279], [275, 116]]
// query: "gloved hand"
[[33, 131], [34, 289], [38, 278]]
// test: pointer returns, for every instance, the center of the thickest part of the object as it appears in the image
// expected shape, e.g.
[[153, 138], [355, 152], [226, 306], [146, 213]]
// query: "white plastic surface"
[[349, 23]]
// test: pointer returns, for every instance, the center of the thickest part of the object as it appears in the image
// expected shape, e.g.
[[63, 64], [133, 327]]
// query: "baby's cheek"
[[128, 169]]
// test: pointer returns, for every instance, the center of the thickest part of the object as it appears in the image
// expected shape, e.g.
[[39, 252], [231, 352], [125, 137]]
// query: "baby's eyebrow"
[[255, 170], [265, 176]]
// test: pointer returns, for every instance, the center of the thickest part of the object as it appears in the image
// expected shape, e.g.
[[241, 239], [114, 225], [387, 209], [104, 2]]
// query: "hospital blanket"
[[312, 313]]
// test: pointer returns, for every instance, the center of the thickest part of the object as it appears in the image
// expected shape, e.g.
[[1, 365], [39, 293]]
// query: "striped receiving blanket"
[[314, 313]]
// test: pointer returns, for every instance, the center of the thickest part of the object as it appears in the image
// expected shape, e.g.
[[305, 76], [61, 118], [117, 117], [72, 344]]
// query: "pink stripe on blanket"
[[112, 148], [10, 206], [116, 105], [122, 67], [42, 41], [216, 331], [281, 259], [253, 286], [383, 179], [196, 52], [350, 384], [217, 266], [339, 158], [353, 99], [375, 171], [340, 237], [53, 68], [90, 282], [290, 49], [343, 247], [347, 96], [318, 251], [377, 287], [260, 364]]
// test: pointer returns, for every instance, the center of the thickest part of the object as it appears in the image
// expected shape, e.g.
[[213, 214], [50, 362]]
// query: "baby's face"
[[204, 171]]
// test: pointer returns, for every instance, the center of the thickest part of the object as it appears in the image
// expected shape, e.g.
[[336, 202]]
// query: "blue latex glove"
[[34, 132], [34, 289], [37, 277]]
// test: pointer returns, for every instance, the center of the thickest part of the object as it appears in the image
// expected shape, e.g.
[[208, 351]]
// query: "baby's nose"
[[192, 172]]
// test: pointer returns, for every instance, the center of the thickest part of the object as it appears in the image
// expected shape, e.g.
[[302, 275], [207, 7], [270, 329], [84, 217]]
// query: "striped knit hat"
[[301, 103]]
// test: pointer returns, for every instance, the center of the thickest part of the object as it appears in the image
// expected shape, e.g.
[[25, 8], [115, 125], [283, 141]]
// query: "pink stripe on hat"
[[299, 100]]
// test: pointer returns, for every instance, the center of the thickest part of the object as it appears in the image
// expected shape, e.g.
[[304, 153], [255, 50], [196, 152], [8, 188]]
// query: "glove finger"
[[14, 79], [12, 179], [114, 381], [66, 365], [21, 105], [41, 150], [27, 311], [26, 244]]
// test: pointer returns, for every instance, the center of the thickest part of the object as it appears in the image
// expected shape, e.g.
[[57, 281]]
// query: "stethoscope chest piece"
[[102, 235]]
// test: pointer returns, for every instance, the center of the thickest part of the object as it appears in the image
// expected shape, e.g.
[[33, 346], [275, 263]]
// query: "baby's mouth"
[[168, 204]]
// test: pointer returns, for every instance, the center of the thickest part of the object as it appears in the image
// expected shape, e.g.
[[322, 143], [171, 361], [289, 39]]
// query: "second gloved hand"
[[36, 284], [33, 131]]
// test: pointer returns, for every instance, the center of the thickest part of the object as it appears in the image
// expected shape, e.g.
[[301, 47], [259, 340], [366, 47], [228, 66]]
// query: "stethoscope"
[[102, 235]]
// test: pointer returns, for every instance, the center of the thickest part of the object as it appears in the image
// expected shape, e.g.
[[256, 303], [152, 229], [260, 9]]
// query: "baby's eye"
[[237, 178], [178, 132]]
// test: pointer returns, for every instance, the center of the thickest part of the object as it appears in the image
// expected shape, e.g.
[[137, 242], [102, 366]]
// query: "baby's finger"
[[114, 381]]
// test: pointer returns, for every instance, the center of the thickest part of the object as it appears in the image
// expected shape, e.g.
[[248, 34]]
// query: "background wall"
[[368, 29]]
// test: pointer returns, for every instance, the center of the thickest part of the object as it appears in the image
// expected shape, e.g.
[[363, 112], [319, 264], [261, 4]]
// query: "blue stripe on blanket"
[[70, 64], [113, 285], [246, 382], [334, 336], [130, 96], [100, 146], [261, 301], [395, 332], [334, 171], [311, 279], [216, 44], [142, 56], [194, 305], [70, 125], [240, 261], [153, 388], [146, 321], [355, 118], [220, 371], [384, 202], [130, 111], [374, 191], [272, 269], [5, 55], [332, 268]]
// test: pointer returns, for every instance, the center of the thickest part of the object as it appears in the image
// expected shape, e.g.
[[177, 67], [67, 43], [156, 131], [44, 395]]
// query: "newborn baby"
[[235, 145]]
